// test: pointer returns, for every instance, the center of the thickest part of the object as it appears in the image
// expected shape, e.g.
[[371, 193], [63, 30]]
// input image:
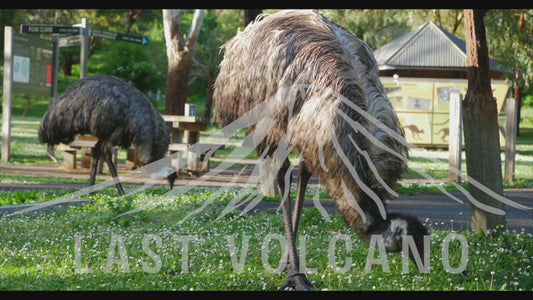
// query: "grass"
[[96, 248], [93, 248]]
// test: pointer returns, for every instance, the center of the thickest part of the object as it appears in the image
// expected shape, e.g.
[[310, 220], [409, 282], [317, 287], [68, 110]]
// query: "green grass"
[[93, 248]]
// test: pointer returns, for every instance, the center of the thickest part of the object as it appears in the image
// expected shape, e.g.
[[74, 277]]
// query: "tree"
[[217, 28], [510, 36], [180, 55], [480, 121], [131, 63]]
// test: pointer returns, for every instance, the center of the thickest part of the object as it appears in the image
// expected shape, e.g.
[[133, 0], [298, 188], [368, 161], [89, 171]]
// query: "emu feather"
[[115, 112], [320, 93]]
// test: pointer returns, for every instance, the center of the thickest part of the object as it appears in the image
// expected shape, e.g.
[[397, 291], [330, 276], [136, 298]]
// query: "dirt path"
[[437, 210]]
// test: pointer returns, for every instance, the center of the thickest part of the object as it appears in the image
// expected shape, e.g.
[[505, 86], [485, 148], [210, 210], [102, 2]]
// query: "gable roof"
[[429, 47]]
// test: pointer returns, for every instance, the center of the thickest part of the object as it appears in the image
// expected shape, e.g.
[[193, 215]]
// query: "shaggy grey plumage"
[[116, 113], [337, 116]]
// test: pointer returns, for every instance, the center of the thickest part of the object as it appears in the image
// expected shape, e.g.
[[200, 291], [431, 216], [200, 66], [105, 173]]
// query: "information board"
[[33, 60], [423, 106]]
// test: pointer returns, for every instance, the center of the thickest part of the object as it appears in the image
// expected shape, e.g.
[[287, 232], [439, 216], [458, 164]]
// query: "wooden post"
[[455, 146], [86, 157], [511, 121], [84, 48], [69, 159], [193, 137], [130, 159], [177, 137], [8, 93], [266, 177]]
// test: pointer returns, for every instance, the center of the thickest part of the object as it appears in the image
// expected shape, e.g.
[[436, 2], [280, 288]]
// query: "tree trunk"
[[518, 90], [250, 15], [180, 57], [518, 97], [480, 121], [209, 100], [177, 85]]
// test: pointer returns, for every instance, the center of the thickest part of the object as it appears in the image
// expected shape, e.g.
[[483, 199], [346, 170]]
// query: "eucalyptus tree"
[[481, 130], [180, 53]]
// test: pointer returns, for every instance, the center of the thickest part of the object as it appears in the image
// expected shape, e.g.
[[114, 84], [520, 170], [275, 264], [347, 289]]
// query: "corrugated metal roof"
[[427, 47]]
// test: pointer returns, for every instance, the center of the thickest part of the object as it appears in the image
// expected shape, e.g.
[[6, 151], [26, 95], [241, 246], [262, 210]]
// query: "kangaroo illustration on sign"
[[415, 131], [445, 132]]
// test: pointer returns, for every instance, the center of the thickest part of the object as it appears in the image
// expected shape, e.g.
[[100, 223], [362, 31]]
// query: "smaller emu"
[[117, 114]]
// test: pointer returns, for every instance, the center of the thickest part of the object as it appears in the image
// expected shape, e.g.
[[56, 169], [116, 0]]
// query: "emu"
[[117, 114], [337, 117]]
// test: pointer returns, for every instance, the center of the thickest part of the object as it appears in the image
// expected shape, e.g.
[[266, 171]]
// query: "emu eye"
[[398, 227]]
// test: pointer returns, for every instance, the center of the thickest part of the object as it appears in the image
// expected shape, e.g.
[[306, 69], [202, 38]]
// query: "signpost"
[[79, 30], [27, 28], [124, 37], [69, 41], [26, 56], [83, 33]]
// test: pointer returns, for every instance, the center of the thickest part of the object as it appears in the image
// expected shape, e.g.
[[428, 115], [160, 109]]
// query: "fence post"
[[267, 176], [8, 93], [455, 146], [84, 49], [510, 139]]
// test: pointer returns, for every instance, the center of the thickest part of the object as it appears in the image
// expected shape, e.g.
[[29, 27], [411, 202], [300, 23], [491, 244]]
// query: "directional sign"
[[76, 29], [69, 41], [130, 38], [26, 28]]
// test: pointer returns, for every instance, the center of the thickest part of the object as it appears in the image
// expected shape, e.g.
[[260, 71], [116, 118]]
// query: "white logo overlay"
[[283, 100]]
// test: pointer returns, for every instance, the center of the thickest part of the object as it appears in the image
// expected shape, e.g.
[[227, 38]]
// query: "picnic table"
[[185, 132], [85, 144]]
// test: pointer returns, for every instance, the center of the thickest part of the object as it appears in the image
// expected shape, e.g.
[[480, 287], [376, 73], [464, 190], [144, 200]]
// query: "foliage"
[[370, 25], [131, 63], [516, 48], [377, 27], [218, 27]]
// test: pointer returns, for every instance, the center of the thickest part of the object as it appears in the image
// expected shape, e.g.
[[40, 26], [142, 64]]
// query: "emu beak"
[[171, 178], [167, 172]]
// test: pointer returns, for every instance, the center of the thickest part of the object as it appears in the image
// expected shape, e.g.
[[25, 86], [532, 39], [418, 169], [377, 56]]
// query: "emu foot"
[[297, 282]]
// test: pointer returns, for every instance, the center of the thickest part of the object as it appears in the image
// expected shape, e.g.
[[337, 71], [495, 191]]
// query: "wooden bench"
[[85, 144], [185, 131], [196, 155], [185, 136]]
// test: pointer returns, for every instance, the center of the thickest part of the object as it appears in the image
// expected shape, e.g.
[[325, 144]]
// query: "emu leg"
[[295, 279], [94, 167], [109, 160], [97, 153], [303, 179]]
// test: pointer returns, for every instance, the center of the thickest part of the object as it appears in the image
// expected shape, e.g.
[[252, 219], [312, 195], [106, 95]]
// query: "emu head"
[[171, 178], [396, 227], [168, 173]]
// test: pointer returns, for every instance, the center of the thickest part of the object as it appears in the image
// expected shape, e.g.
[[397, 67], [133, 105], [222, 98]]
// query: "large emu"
[[117, 114], [337, 117]]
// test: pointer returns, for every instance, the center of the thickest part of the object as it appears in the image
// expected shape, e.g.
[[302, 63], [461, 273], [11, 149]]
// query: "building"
[[420, 71]]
